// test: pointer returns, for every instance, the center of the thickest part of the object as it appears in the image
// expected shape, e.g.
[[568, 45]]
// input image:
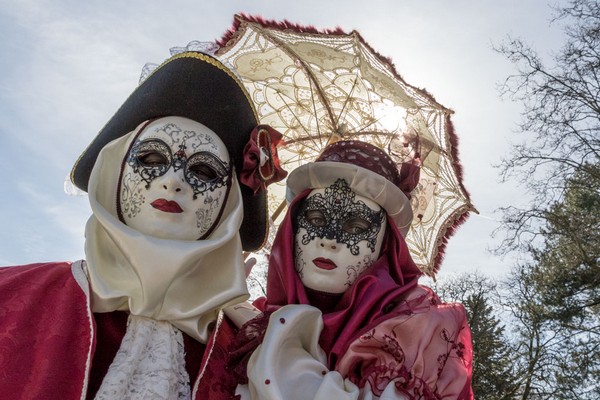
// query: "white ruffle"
[[150, 363]]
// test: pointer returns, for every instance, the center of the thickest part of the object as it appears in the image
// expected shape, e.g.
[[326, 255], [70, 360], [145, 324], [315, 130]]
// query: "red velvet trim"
[[194, 352], [461, 215], [110, 329], [280, 25], [445, 236], [216, 382], [326, 302], [45, 332]]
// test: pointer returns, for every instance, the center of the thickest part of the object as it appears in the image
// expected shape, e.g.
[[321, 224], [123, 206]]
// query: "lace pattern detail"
[[150, 363], [247, 339], [338, 205], [431, 365]]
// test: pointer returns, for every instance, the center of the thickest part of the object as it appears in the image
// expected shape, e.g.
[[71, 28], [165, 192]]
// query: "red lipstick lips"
[[166, 206], [324, 263]]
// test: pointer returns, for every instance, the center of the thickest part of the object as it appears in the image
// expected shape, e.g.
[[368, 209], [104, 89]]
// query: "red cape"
[[49, 337], [46, 332]]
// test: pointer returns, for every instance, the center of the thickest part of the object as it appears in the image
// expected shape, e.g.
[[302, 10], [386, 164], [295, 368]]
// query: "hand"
[[248, 265]]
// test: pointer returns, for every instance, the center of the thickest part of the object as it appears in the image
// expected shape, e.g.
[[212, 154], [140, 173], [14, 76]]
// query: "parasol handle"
[[279, 210], [276, 214]]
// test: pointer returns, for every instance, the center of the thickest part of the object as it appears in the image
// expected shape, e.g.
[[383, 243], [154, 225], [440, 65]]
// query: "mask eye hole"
[[203, 172], [152, 159], [206, 167], [315, 218], [356, 225], [151, 153]]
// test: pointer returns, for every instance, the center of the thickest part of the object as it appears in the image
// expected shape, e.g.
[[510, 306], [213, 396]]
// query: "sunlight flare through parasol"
[[319, 87]]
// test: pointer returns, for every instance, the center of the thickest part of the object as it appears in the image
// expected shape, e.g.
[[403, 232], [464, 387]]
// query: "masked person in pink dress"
[[344, 316], [176, 187]]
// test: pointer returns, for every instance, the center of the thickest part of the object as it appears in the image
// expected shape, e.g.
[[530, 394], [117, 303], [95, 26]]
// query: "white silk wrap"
[[289, 364]]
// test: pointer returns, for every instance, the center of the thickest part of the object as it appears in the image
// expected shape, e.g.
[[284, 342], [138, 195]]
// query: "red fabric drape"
[[374, 293]]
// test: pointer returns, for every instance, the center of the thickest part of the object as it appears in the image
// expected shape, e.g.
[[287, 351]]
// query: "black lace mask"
[[203, 170], [336, 214]]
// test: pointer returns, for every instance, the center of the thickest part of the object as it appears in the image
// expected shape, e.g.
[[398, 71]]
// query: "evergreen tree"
[[492, 376], [567, 274], [564, 285]]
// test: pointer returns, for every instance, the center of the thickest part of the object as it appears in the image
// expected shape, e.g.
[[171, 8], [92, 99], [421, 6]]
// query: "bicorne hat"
[[201, 88]]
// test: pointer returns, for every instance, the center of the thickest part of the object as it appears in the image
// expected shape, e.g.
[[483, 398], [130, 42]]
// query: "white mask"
[[338, 236], [175, 180]]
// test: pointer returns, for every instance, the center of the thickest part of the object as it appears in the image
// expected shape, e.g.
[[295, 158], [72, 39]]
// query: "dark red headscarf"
[[361, 307]]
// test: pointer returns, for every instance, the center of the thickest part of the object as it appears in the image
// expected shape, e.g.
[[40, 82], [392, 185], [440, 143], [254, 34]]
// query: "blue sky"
[[67, 65]]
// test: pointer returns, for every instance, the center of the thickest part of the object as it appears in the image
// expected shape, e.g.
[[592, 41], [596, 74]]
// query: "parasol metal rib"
[[356, 133], [337, 121]]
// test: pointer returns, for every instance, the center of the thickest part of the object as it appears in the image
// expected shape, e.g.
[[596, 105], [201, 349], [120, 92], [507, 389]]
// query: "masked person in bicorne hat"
[[344, 316], [176, 184]]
